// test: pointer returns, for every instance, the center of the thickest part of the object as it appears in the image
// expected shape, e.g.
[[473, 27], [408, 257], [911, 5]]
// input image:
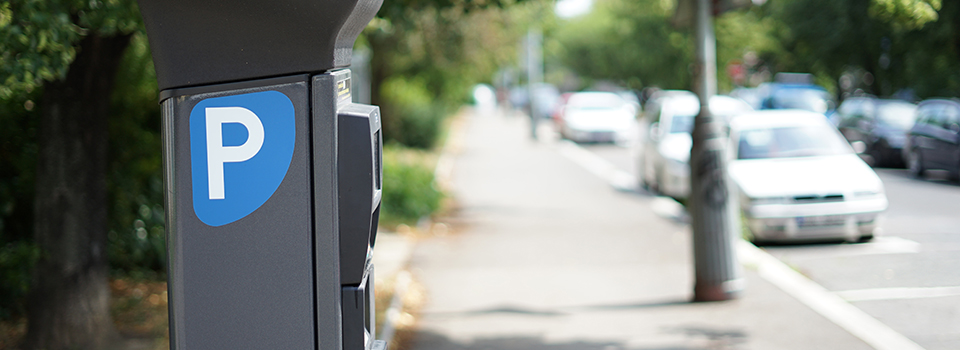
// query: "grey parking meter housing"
[[201, 42], [272, 174]]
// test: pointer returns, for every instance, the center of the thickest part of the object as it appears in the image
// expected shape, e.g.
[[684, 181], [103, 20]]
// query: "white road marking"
[[667, 207], [879, 246], [619, 179], [898, 293], [893, 245], [816, 297], [819, 299]]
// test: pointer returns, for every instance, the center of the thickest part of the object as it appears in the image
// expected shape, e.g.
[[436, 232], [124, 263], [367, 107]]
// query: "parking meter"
[[272, 175]]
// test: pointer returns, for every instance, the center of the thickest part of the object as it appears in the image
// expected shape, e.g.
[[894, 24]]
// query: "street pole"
[[534, 75], [712, 206]]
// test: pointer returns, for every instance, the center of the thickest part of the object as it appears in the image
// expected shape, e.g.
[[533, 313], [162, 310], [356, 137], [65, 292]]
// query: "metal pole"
[[534, 76], [713, 209]]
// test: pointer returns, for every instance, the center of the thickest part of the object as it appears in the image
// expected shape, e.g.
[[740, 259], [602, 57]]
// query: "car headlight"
[[867, 193]]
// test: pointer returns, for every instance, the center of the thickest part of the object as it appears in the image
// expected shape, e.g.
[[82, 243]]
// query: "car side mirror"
[[654, 131], [955, 128], [859, 146]]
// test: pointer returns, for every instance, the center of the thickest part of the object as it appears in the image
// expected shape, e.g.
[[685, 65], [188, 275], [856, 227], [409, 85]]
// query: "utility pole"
[[712, 205]]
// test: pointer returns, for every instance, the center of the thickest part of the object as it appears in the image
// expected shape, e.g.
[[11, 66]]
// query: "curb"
[[442, 174]]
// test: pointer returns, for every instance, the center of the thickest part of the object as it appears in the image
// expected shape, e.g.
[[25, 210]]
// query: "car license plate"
[[826, 220]]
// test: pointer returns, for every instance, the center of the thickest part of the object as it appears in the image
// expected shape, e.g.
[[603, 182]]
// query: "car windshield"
[[900, 115], [721, 108], [787, 142], [595, 101], [800, 98], [681, 123]]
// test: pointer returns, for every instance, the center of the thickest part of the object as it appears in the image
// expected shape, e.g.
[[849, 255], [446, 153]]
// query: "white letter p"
[[217, 153]]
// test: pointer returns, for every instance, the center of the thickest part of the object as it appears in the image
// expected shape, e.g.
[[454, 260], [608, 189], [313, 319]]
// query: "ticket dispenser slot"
[[359, 143]]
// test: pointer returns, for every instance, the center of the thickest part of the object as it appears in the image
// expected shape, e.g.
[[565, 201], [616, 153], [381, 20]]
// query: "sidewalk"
[[546, 255]]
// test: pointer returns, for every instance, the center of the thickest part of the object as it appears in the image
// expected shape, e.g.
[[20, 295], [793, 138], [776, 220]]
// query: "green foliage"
[[742, 33], [408, 186], [37, 43], [415, 118], [16, 262], [893, 45], [629, 41], [38, 37], [902, 44], [909, 14], [136, 223], [438, 49], [18, 151]]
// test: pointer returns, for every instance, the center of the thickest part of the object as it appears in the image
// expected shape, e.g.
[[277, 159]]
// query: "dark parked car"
[[934, 141], [877, 128]]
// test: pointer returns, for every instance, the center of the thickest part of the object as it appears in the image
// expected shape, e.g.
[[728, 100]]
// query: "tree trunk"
[[69, 301], [380, 70]]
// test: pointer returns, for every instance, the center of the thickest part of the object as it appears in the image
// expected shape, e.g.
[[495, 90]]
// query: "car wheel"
[[641, 178], [865, 238], [877, 152], [655, 186], [915, 164]]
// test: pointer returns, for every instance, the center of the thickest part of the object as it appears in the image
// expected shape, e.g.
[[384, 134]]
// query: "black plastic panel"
[[197, 42]]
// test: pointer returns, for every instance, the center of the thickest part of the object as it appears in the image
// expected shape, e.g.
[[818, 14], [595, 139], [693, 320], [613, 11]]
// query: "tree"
[[895, 41], [70, 49], [631, 42], [427, 54]]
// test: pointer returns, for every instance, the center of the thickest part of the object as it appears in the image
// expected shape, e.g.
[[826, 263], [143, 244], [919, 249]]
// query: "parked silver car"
[[664, 140], [798, 179], [595, 117]]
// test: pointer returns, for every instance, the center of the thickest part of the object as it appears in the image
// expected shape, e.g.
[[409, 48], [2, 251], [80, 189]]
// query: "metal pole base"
[[715, 292]]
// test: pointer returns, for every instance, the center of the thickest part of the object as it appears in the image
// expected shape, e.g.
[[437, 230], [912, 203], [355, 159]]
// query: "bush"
[[136, 240], [411, 116], [18, 152], [408, 186], [16, 262]]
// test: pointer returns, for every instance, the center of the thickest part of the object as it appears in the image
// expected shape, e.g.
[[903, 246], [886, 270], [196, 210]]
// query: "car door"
[[921, 136], [849, 113], [656, 159], [650, 135], [945, 137], [866, 121]]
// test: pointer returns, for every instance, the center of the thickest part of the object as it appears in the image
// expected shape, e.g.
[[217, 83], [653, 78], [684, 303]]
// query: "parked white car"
[[798, 179], [663, 150], [596, 117]]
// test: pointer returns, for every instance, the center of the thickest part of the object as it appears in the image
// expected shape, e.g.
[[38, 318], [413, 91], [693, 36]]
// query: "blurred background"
[[864, 65]]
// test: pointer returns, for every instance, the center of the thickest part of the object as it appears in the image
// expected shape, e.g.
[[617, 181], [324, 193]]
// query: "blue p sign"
[[240, 149]]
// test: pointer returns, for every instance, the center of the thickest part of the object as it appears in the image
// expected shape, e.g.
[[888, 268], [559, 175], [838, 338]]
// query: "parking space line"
[[819, 299], [898, 293], [619, 179], [816, 297]]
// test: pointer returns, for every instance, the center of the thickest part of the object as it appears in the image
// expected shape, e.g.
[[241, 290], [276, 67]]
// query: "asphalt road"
[[908, 278]]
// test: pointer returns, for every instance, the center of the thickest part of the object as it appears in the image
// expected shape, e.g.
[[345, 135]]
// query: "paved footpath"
[[545, 255]]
